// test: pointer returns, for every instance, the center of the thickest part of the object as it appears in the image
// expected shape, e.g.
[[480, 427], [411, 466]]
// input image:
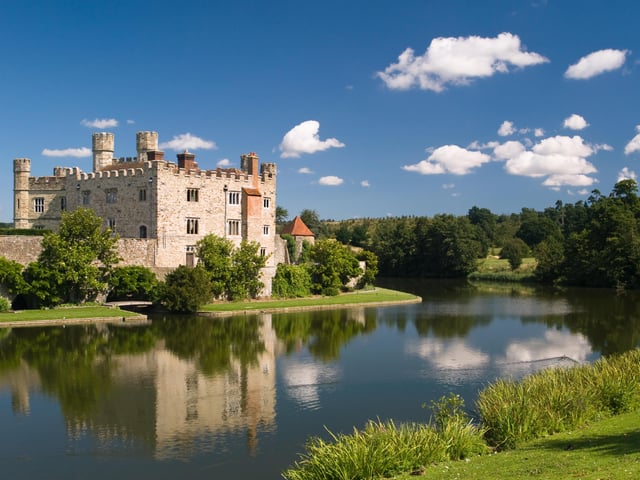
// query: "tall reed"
[[559, 399]]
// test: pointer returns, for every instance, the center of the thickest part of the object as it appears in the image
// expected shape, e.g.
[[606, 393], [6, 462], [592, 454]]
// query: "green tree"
[[246, 263], [535, 227], [371, 267], [76, 262], [332, 266], [215, 255], [549, 255], [312, 220], [282, 214], [514, 251], [449, 247], [234, 272], [185, 289]]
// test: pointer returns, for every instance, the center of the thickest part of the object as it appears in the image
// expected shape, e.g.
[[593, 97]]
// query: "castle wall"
[[23, 249]]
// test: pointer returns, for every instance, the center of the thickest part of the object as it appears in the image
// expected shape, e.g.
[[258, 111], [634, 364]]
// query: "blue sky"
[[369, 108]]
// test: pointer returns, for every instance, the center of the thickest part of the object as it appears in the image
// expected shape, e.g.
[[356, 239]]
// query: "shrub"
[[185, 289], [132, 282], [5, 306], [11, 276], [291, 281]]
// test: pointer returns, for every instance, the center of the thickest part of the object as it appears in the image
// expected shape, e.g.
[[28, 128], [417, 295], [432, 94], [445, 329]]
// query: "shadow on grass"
[[613, 444]]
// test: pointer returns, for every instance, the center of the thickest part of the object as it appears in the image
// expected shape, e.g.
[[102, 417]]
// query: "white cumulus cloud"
[[225, 162], [305, 171], [562, 159], [457, 61], [634, 144], [304, 138], [507, 128], [538, 132], [365, 183], [626, 173], [68, 152], [330, 180], [186, 141], [449, 159], [100, 123], [596, 63], [575, 122]]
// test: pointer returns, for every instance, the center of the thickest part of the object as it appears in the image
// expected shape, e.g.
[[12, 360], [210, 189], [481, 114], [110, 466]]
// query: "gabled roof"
[[297, 228]]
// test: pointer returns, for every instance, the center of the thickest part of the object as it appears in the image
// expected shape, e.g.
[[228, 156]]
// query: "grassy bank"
[[364, 297], [64, 313], [549, 413], [608, 449], [494, 269]]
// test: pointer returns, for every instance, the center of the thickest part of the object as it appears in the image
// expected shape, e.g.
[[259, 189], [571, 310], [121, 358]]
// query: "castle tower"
[[21, 172], [146, 142], [103, 148]]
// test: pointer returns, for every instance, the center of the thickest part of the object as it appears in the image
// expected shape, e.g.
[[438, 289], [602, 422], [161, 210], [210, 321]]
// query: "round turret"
[[103, 148], [146, 142], [21, 172]]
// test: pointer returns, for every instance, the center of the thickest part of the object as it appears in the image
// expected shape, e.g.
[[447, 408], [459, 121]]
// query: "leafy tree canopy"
[[76, 262]]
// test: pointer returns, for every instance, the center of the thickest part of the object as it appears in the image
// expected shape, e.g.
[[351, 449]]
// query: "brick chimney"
[[249, 164], [187, 161], [155, 155]]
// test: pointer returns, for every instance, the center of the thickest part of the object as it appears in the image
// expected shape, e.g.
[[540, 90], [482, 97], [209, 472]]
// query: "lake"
[[198, 397]]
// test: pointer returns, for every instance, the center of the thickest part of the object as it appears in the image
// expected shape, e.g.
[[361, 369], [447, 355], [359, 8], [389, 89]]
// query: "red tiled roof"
[[297, 228], [252, 192]]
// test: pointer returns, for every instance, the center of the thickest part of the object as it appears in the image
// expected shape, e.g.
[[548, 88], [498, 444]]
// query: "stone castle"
[[159, 208]]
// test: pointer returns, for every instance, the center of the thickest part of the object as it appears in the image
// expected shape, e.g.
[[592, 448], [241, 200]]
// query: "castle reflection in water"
[[167, 402]]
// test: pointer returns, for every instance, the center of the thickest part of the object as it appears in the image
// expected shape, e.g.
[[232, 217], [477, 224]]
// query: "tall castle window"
[[142, 195], [263, 251], [192, 194], [112, 195], [234, 227], [63, 203], [112, 224], [86, 197], [143, 231], [192, 226], [266, 202], [38, 204], [234, 198], [265, 229]]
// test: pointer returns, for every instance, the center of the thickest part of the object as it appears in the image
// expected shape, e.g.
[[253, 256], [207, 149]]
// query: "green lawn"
[[64, 313], [376, 295], [609, 449]]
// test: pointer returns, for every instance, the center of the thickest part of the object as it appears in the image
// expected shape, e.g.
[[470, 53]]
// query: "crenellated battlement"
[[46, 183], [21, 165]]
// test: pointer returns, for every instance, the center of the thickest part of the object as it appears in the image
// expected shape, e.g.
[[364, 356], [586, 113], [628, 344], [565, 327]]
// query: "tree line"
[[593, 243]]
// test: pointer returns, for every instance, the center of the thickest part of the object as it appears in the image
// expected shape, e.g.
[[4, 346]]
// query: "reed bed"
[[383, 449], [511, 412], [559, 399]]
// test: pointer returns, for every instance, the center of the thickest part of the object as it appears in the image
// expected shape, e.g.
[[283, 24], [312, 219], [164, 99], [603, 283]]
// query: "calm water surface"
[[194, 397]]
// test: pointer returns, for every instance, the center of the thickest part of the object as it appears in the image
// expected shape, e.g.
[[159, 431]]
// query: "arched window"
[[143, 231]]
